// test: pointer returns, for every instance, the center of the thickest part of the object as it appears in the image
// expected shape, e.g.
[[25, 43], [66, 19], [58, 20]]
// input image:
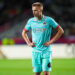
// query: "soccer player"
[[41, 27]]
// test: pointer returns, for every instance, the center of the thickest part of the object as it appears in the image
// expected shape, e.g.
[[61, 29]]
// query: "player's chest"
[[39, 25]]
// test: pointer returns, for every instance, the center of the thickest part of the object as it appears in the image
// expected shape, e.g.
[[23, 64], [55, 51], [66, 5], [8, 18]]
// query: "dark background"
[[15, 13]]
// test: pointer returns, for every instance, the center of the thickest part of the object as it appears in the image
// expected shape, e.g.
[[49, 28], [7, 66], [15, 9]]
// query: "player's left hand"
[[47, 44]]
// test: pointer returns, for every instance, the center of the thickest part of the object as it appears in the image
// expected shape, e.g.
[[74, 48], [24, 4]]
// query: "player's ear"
[[41, 10]]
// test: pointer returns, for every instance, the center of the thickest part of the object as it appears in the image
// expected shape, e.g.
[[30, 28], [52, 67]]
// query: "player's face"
[[36, 11]]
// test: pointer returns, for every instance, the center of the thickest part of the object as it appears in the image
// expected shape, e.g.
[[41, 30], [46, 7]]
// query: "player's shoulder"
[[31, 19], [48, 18]]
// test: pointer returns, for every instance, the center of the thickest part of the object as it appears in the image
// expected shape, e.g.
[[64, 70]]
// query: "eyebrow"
[[34, 10]]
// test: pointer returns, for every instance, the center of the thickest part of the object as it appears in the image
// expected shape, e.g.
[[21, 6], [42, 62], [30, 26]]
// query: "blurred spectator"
[[15, 13]]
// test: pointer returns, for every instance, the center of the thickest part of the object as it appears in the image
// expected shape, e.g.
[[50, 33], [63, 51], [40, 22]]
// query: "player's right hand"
[[31, 44]]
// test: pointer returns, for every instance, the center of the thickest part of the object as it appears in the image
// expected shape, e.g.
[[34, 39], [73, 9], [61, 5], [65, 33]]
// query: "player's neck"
[[39, 17]]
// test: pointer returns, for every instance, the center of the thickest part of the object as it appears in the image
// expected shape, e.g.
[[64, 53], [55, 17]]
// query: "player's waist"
[[41, 49]]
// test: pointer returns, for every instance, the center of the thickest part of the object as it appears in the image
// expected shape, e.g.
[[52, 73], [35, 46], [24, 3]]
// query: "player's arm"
[[25, 37], [60, 31]]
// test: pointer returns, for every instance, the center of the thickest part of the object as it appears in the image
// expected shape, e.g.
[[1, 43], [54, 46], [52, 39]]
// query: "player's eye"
[[35, 10]]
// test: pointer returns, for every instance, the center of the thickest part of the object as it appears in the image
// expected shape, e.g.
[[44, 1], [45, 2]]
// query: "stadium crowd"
[[15, 13]]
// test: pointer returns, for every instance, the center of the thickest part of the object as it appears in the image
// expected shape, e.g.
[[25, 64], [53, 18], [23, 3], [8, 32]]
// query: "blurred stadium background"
[[15, 55]]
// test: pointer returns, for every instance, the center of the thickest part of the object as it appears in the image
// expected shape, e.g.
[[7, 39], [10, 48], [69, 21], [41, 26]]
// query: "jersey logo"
[[39, 30], [44, 23]]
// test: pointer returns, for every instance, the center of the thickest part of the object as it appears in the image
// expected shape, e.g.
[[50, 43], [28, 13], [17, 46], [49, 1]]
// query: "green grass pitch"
[[24, 67]]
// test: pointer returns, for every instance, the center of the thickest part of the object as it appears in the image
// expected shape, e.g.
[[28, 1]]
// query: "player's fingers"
[[33, 45], [33, 42], [45, 44]]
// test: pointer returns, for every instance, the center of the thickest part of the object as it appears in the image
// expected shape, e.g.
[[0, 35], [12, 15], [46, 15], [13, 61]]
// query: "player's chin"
[[36, 15]]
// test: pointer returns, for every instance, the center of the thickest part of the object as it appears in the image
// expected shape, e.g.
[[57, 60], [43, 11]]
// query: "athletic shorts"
[[41, 61]]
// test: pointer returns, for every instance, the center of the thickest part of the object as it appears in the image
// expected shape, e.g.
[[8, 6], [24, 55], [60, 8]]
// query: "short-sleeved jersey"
[[41, 31]]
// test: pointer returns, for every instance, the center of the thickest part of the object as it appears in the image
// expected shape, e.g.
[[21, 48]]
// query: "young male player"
[[41, 27]]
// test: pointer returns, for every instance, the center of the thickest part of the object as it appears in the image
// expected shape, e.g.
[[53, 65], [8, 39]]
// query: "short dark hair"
[[39, 4]]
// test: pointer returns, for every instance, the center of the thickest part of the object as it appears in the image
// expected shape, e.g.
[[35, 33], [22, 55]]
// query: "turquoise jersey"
[[41, 32]]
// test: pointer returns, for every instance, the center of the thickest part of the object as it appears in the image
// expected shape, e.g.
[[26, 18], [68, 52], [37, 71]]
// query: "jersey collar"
[[43, 18]]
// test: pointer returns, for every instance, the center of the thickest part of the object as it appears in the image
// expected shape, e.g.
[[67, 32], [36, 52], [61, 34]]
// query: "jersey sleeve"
[[54, 24], [27, 26]]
